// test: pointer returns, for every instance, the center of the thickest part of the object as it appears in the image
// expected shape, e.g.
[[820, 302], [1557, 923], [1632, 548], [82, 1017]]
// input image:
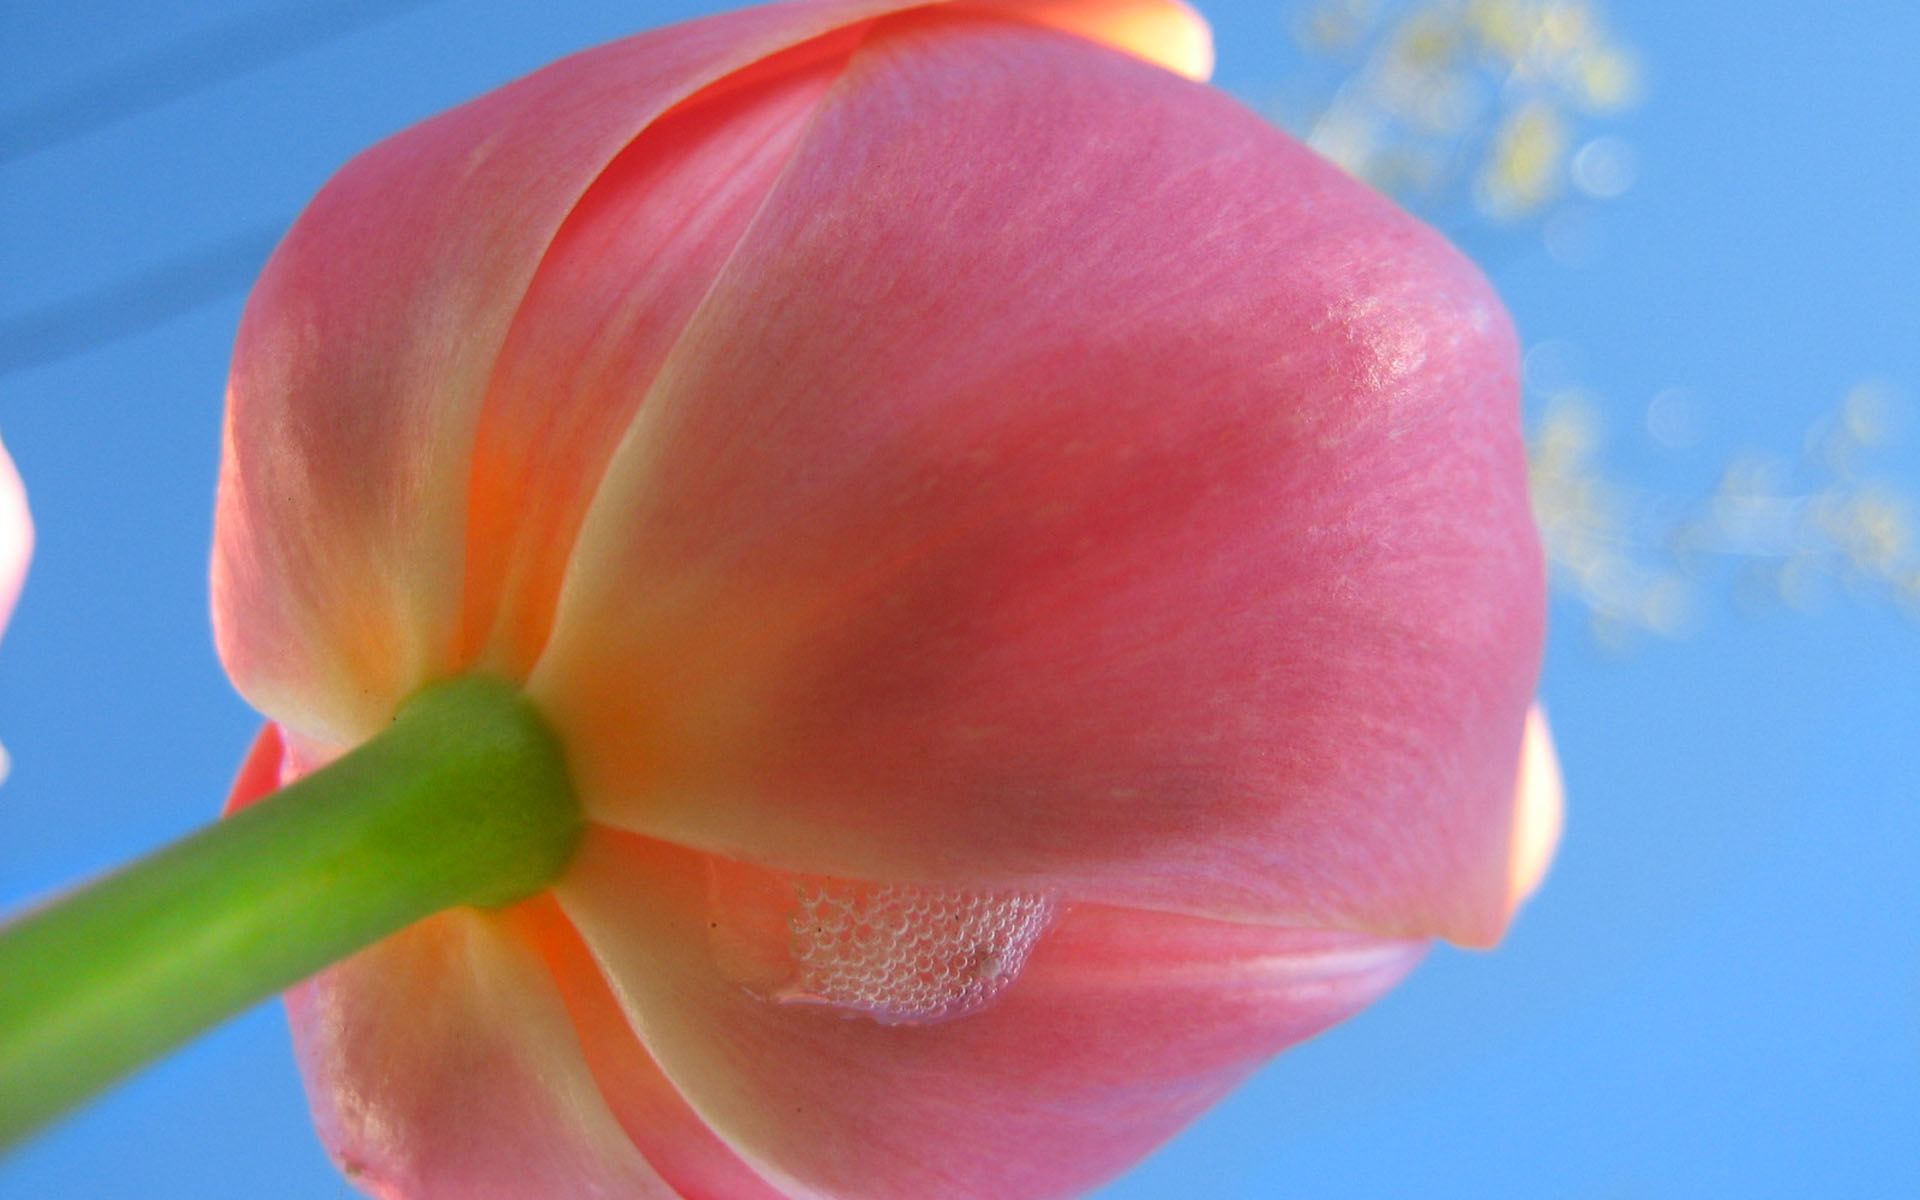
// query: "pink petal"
[[1116, 1033], [260, 770], [1093, 492], [616, 287], [674, 1139], [16, 536], [366, 355], [1120, 1028], [443, 1062], [619, 282]]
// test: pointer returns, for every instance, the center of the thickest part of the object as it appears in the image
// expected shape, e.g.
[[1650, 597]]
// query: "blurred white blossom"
[[1783, 528], [1486, 101], [1492, 115]]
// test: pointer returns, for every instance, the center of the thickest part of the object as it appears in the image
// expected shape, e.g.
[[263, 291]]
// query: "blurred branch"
[[145, 299], [214, 56], [138, 302]]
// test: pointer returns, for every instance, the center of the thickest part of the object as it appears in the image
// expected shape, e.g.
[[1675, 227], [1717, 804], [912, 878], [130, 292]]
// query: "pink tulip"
[[1031, 568]]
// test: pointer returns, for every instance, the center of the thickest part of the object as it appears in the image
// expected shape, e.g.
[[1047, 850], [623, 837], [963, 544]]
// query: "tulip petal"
[[618, 284], [368, 347], [616, 287], [1001, 519], [260, 771], [441, 1062], [674, 1139], [1120, 1028], [16, 536], [364, 356]]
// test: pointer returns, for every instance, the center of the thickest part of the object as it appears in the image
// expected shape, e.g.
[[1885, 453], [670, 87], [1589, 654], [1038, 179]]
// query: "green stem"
[[464, 799]]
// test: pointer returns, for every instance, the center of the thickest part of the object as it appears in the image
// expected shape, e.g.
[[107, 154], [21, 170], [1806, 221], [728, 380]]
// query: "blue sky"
[[1718, 992]]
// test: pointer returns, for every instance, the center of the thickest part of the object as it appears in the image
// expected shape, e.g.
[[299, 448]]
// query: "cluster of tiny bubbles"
[[901, 954]]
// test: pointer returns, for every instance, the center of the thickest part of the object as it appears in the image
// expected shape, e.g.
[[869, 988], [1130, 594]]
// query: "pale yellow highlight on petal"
[[1165, 32], [1539, 808]]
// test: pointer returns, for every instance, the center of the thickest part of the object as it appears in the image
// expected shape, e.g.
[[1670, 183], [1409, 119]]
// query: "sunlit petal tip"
[[1539, 808], [16, 536], [1167, 32]]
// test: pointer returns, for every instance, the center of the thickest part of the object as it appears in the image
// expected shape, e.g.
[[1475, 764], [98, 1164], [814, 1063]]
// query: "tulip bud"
[[1030, 568]]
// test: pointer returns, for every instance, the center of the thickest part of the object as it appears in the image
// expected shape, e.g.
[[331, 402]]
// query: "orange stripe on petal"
[[441, 1065], [611, 297], [674, 1139]]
